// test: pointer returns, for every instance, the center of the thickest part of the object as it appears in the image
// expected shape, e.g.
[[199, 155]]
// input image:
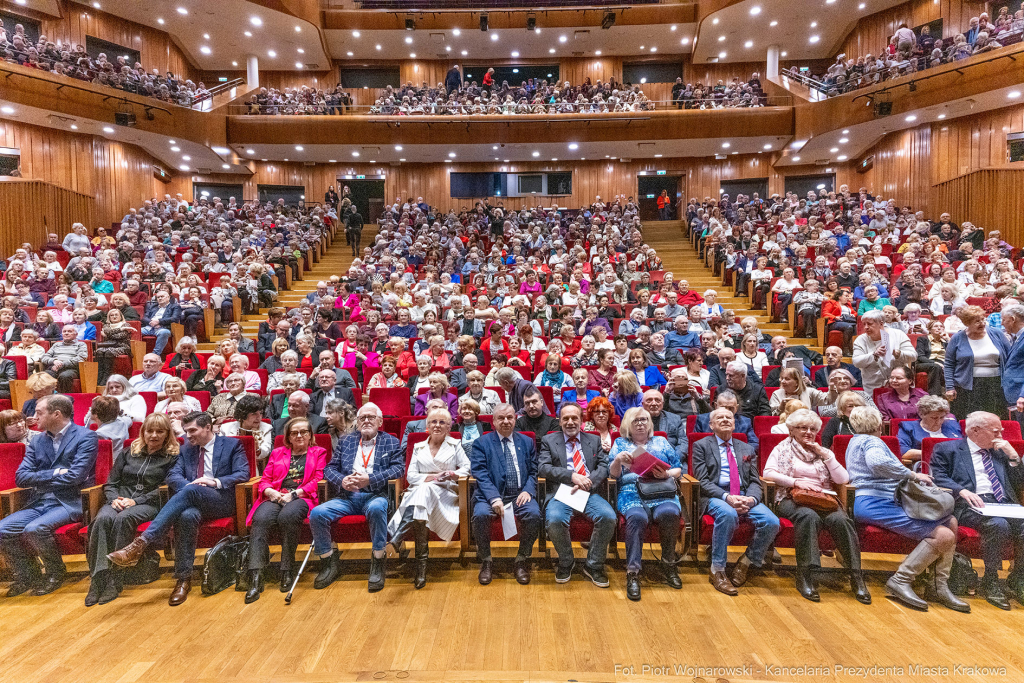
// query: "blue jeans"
[[598, 511], [766, 527], [528, 517], [186, 511], [372, 506], [666, 516], [28, 533], [162, 334]]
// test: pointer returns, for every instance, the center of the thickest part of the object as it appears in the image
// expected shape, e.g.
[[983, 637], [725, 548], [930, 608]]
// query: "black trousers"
[[936, 376], [807, 524], [995, 533], [355, 239], [65, 376], [288, 518], [113, 530]]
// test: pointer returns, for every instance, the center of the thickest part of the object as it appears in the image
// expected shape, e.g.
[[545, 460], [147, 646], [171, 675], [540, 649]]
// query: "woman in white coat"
[[431, 502]]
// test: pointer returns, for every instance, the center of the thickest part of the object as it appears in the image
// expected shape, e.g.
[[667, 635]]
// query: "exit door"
[[648, 189], [367, 195]]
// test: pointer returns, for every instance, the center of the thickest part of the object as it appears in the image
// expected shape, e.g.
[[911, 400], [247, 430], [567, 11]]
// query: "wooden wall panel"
[[157, 49], [872, 33], [902, 168], [30, 209], [970, 197], [973, 142]]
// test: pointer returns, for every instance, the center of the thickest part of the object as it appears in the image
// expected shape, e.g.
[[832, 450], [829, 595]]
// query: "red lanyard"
[[367, 457]]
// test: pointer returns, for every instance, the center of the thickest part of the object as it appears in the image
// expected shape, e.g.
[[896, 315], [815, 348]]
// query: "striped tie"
[[578, 463], [990, 472]]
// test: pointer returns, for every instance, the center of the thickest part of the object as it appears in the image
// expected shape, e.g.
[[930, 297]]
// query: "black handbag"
[[650, 488], [222, 562]]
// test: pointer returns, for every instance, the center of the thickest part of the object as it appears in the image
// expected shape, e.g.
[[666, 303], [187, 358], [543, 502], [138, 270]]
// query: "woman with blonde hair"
[[627, 393], [793, 384], [132, 494], [789, 406]]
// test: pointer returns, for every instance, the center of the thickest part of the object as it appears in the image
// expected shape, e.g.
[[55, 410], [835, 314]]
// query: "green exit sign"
[[661, 173]]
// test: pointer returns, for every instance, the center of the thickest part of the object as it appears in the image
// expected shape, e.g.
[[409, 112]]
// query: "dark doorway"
[[293, 195], [223, 191], [747, 186], [802, 184], [367, 195], [648, 189]]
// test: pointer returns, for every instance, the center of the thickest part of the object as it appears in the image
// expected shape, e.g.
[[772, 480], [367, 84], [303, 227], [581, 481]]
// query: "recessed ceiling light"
[[834, 150], [205, 50], [298, 148], [654, 49], [250, 151], [862, 5], [773, 23], [9, 110], [186, 157], [841, 157], [248, 34], [551, 50], [355, 154], [597, 52], [843, 141], [225, 166], [184, 167], [401, 159], [106, 129], [721, 38], [910, 118], [554, 158], [398, 148], [456, 32], [171, 142], [408, 40], [783, 53], [721, 55], [182, 11], [349, 53], [814, 24], [536, 154], [175, 149], [755, 10], [355, 34], [301, 51], [814, 39], [796, 158], [749, 44], [562, 39], [494, 36], [412, 55], [159, 20], [768, 145], [573, 145], [846, 131], [378, 46], [685, 41], [74, 127], [447, 161], [465, 52], [298, 65], [271, 53], [447, 48], [333, 161], [515, 53], [941, 116], [725, 145], [255, 21], [1013, 94], [206, 36], [451, 155]]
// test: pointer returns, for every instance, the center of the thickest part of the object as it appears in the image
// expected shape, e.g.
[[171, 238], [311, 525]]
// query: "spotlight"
[[608, 20], [531, 23], [410, 24], [483, 22]]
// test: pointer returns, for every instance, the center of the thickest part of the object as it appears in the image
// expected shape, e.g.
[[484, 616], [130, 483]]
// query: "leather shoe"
[[286, 580], [722, 583], [329, 570], [255, 586], [111, 591], [860, 589], [486, 571], [633, 586], [50, 584], [378, 569], [96, 587], [995, 595], [1015, 586], [741, 571], [671, 575], [805, 584], [180, 592], [521, 570], [129, 555]]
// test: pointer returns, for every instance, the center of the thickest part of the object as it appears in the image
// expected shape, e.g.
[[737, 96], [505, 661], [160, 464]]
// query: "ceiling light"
[[398, 148], [182, 11], [721, 38], [833, 150], [160, 21], [184, 167], [721, 55], [451, 155], [715, 21], [841, 157], [248, 34], [773, 23], [466, 52], [301, 51], [175, 149], [401, 159], [755, 10], [298, 148], [225, 166], [1013, 94], [654, 49], [685, 41], [408, 40], [7, 110], [412, 55], [552, 51], [656, 156], [846, 131], [355, 154], [206, 36], [783, 54], [74, 127], [814, 24], [447, 161], [941, 116], [205, 50], [796, 158], [171, 142], [597, 52], [255, 21], [298, 65], [494, 36], [456, 32], [768, 145], [861, 5], [186, 157], [573, 145], [536, 154], [562, 39], [814, 39], [378, 46], [749, 44], [221, 150], [271, 53], [250, 151], [515, 53], [725, 145], [554, 158], [106, 129], [910, 119], [672, 28], [349, 53], [355, 34]]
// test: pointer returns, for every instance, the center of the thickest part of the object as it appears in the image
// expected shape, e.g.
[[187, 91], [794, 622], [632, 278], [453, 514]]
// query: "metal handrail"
[[218, 89]]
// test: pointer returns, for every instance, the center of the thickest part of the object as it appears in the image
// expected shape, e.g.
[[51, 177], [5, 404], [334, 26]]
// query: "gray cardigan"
[[873, 468]]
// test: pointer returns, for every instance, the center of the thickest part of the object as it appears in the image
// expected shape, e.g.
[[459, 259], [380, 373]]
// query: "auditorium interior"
[[709, 312]]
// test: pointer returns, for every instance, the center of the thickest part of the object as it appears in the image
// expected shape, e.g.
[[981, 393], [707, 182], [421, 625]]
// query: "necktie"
[[990, 472], [734, 471], [201, 470], [578, 463], [511, 475]]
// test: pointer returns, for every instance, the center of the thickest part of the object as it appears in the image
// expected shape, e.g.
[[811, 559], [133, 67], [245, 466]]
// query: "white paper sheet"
[[577, 501], [1008, 510], [508, 522]]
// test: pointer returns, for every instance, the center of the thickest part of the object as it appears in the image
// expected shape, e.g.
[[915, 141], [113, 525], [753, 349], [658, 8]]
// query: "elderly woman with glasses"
[[285, 494], [289, 363], [798, 465], [642, 509], [934, 422]]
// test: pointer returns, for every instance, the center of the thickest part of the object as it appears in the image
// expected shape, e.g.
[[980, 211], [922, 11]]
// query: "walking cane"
[[288, 598]]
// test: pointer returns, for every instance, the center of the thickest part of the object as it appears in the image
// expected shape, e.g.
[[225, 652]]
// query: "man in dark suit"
[[753, 399], [159, 314], [729, 488], [458, 379], [535, 418], [670, 423], [716, 375], [202, 484], [298, 406], [327, 388], [742, 424], [358, 475], [58, 463], [983, 469], [504, 464], [575, 459], [834, 361]]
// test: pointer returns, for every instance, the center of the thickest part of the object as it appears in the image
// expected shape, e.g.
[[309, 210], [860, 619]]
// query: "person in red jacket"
[[687, 296]]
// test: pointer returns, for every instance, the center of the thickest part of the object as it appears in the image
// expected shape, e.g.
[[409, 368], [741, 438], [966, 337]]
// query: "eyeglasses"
[[600, 412], [299, 432], [640, 420], [366, 418]]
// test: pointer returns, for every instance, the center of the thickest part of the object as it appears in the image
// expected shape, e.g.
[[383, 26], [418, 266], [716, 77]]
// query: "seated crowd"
[[73, 61], [908, 52], [533, 349]]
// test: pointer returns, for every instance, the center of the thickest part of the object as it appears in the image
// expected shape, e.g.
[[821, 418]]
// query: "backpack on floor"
[[963, 579], [222, 562]]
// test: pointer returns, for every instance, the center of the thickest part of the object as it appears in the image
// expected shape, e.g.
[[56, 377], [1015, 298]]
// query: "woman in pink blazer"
[[284, 496]]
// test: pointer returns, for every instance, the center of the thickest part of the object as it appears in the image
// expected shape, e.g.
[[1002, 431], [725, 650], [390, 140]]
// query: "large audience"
[[555, 345], [73, 61], [908, 52]]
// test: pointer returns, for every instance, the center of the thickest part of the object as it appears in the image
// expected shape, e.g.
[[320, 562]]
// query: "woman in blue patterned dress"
[[665, 512]]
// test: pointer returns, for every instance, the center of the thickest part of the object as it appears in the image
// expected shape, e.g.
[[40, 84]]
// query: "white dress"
[[436, 503]]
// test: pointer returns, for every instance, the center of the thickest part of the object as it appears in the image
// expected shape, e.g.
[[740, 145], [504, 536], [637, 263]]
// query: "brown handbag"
[[821, 502]]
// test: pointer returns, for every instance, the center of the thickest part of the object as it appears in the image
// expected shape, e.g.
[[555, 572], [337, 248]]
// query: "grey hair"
[[933, 404], [505, 375], [875, 315], [298, 396], [804, 418], [127, 390], [736, 366], [977, 419], [376, 409], [290, 354], [1016, 310]]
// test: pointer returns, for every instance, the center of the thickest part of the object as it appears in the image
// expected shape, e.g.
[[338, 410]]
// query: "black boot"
[[805, 584], [115, 580], [860, 589], [329, 570], [287, 577], [422, 552], [96, 586], [255, 586], [378, 567]]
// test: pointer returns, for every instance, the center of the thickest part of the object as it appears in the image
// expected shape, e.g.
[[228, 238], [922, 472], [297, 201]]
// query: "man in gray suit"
[[575, 459], [729, 489], [670, 423]]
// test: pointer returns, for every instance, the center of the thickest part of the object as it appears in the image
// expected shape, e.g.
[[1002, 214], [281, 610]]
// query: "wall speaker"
[[125, 118], [883, 109]]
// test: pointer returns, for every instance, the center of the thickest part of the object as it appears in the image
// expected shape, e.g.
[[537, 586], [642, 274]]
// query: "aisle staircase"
[[680, 258]]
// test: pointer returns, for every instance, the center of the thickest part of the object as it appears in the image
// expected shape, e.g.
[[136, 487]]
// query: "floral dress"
[[659, 447]]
